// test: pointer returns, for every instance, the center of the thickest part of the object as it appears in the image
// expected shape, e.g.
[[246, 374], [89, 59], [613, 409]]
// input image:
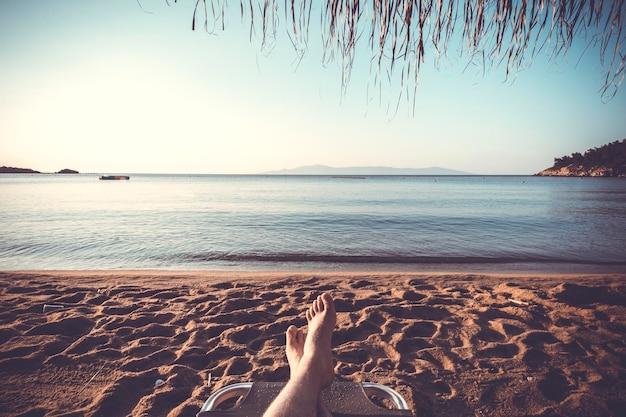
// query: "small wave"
[[384, 259]]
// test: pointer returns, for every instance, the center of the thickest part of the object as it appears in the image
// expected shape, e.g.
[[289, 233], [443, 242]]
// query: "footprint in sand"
[[499, 350], [554, 386], [535, 358], [68, 326]]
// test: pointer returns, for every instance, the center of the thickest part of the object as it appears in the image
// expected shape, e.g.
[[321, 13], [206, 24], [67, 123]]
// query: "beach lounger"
[[343, 399]]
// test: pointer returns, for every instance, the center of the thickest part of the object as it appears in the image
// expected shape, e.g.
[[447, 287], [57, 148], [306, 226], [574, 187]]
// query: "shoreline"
[[167, 278], [451, 343], [279, 273]]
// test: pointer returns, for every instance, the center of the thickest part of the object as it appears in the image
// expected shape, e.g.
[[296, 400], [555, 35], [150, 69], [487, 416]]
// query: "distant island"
[[13, 170], [606, 161], [351, 171]]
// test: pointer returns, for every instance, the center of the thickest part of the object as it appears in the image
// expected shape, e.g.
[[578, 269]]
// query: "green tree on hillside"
[[611, 156]]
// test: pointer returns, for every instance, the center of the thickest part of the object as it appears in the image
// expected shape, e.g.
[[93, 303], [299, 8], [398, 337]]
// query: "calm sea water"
[[302, 222]]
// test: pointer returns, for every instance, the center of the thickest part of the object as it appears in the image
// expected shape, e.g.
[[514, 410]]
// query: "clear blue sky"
[[104, 86]]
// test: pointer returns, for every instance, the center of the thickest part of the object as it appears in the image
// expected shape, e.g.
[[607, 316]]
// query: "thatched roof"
[[403, 34]]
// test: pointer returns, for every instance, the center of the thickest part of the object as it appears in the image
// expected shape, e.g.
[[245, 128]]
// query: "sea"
[[310, 223]]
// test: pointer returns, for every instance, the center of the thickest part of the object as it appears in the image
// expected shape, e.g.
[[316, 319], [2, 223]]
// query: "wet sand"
[[451, 344]]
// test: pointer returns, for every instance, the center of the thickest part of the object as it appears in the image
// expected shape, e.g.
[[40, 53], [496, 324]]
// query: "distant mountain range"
[[328, 170]]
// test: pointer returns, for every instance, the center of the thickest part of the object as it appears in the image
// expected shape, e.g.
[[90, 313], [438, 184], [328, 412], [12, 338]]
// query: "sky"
[[120, 86]]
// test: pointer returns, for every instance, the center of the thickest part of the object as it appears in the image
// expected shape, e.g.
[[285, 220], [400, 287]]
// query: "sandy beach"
[[90, 343]]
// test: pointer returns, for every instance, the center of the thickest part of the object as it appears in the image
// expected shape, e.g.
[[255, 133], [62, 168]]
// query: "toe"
[[327, 300], [317, 305], [292, 334]]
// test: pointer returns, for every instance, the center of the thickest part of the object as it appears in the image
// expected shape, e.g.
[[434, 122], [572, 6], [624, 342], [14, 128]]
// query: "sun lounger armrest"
[[226, 393], [392, 395]]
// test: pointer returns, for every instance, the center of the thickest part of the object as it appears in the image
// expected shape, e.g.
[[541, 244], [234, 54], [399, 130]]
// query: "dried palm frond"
[[402, 32]]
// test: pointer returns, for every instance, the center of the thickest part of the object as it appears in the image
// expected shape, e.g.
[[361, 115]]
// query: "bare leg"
[[295, 350], [300, 397]]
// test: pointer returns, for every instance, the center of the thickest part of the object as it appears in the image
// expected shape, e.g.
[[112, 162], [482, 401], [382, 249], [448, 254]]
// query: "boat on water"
[[114, 177]]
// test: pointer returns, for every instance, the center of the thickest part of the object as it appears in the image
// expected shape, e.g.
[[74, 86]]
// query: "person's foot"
[[317, 346], [294, 348], [310, 363]]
